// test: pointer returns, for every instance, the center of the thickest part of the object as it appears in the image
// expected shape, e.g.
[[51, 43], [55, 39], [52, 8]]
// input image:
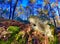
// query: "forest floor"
[[12, 22]]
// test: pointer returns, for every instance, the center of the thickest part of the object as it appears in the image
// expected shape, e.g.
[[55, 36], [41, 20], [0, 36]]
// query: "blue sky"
[[25, 3]]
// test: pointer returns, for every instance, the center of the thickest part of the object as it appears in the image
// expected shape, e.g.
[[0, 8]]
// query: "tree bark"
[[10, 8], [14, 9]]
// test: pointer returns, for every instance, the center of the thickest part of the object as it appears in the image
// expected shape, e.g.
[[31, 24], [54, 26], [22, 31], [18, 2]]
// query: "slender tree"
[[14, 9], [1, 12], [1, 9], [10, 1]]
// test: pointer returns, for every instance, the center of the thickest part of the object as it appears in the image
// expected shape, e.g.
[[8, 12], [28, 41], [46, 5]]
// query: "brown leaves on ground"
[[34, 36]]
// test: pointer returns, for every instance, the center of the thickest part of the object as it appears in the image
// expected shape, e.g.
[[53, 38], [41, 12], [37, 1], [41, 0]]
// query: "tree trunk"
[[14, 9], [10, 8]]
